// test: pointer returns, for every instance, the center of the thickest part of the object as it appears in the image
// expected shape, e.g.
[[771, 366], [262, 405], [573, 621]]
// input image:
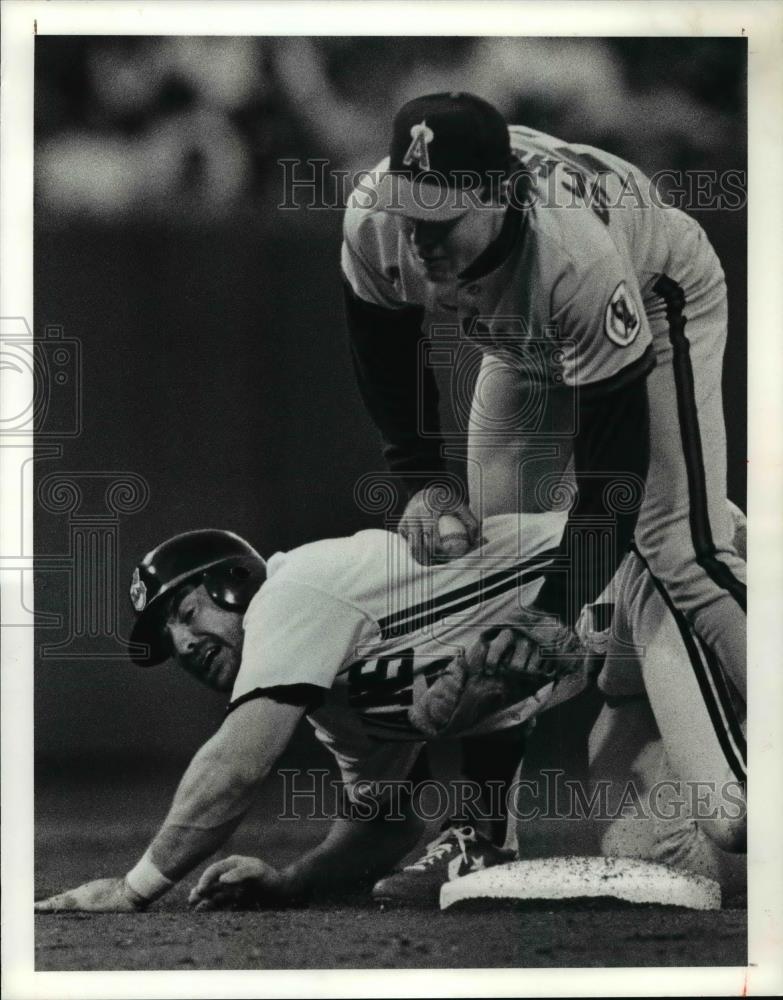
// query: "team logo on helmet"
[[417, 152], [138, 591], [622, 317]]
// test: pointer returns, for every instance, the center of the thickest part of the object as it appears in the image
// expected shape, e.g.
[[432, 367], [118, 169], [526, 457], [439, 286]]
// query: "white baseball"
[[453, 536]]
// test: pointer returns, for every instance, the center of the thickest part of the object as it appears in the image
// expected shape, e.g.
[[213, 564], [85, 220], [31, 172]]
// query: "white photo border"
[[762, 23]]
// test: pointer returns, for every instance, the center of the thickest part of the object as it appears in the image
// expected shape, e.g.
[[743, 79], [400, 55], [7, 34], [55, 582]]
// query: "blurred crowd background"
[[214, 358], [191, 128]]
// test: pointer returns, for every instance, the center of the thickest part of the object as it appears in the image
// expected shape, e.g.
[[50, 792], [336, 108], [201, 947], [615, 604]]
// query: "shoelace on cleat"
[[440, 847]]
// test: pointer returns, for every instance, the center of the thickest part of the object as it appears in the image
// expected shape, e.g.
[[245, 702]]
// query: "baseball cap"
[[444, 146]]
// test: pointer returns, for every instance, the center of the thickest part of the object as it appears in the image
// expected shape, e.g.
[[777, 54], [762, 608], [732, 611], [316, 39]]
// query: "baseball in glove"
[[505, 665]]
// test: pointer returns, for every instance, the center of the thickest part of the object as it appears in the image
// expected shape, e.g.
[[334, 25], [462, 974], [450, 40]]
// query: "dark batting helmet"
[[227, 565]]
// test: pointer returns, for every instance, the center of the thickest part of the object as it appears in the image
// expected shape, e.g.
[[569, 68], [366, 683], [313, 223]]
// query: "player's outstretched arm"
[[212, 798], [103, 895], [353, 852]]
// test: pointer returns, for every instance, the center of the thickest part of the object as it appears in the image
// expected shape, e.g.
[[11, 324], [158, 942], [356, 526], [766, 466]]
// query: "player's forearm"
[[542, 460], [542, 476], [611, 458], [212, 798], [219, 785], [353, 852]]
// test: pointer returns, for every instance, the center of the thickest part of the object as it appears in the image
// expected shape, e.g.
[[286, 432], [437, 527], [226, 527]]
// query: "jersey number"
[[585, 172], [387, 682]]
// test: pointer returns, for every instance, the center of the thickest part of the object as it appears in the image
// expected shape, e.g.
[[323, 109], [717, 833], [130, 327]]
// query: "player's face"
[[207, 640], [444, 249]]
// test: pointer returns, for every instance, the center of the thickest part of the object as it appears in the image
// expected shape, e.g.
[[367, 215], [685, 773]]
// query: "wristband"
[[146, 881]]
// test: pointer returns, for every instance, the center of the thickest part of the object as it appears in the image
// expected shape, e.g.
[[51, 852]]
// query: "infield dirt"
[[86, 830]]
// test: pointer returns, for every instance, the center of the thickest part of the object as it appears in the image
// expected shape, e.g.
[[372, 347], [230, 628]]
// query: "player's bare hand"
[[502, 650], [237, 883], [438, 526], [536, 649], [103, 895]]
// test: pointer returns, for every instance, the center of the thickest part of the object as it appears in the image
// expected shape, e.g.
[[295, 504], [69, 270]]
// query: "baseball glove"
[[507, 664]]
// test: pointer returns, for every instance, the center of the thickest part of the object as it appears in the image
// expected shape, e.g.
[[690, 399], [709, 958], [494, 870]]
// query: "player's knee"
[[730, 834], [670, 559]]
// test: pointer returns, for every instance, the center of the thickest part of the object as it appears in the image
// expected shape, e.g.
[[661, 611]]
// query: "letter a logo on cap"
[[138, 591], [417, 151]]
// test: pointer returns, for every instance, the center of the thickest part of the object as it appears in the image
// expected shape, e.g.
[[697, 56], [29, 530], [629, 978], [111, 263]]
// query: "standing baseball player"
[[601, 317], [381, 653]]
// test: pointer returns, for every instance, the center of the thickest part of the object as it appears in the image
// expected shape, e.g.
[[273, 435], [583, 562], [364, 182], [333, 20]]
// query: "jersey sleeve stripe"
[[701, 532], [640, 368], [309, 695], [470, 588], [431, 615]]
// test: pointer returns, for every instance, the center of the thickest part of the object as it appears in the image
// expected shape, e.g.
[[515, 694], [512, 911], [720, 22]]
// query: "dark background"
[[210, 321]]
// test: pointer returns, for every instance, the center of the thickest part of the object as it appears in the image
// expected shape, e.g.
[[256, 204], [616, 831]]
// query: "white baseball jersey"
[[359, 618]]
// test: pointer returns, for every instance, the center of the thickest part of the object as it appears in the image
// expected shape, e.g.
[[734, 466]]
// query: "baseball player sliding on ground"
[[600, 312], [381, 654]]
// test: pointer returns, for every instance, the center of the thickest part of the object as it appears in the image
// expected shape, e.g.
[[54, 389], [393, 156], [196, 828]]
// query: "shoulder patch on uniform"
[[622, 317]]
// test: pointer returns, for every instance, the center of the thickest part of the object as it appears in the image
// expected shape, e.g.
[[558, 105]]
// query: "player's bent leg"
[[628, 763], [618, 762], [473, 837], [684, 530], [700, 720], [711, 612], [489, 764], [554, 780]]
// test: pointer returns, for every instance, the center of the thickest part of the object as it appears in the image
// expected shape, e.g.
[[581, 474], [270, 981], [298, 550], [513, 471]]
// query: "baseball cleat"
[[458, 851]]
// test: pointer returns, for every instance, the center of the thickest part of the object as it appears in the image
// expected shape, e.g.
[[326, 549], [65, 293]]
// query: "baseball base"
[[585, 877]]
